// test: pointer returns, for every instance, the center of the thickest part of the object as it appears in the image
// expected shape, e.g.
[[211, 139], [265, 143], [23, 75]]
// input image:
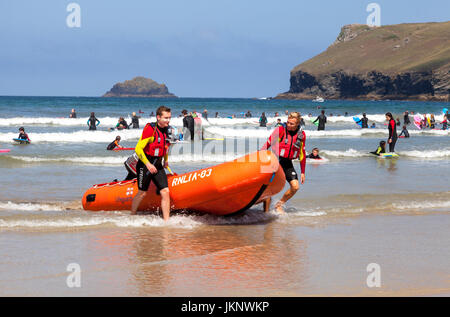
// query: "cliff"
[[140, 87], [404, 61]]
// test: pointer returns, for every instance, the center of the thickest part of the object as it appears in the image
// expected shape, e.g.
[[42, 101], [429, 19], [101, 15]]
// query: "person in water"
[[322, 120], [404, 132], [432, 121], [314, 154], [278, 124], [373, 125], [111, 146], [73, 114], [398, 122], [444, 123], [381, 148], [392, 127], [93, 122], [23, 135], [248, 114], [263, 120], [188, 126], [152, 148], [288, 143], [406, 120], [424, 122], [122, 124], [364, 121], [135, 120]]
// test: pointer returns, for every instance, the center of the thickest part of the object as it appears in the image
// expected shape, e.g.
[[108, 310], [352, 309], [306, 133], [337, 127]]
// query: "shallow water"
[[354, 208]]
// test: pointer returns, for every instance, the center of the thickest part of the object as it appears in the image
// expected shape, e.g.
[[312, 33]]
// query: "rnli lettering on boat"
[[191, 177]]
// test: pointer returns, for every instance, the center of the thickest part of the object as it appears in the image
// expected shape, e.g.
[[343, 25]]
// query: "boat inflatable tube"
[[223, 189]]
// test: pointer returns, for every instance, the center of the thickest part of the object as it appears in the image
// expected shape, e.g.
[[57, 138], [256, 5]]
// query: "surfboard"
[[315, 123], [21, 141], [124, 149], [418, 121], [4, 150], [444, 111], [389, 155], [356, 119]]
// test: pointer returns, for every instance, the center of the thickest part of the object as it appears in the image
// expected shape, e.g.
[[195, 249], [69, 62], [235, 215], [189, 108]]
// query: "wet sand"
[[325, 257]]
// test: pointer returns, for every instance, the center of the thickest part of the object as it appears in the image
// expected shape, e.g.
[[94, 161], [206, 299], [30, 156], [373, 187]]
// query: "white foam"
[[30, 207]]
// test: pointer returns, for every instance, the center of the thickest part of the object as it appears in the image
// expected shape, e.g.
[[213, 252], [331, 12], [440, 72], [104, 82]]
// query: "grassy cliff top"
[[389, 49]]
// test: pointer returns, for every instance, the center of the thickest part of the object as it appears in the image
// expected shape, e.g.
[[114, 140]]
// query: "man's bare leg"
[[137, 201], [266, 204], [287, 195], [165, 203]]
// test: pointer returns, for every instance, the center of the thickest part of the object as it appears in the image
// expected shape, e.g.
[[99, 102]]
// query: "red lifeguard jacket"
[[291, 147], [160, 144]]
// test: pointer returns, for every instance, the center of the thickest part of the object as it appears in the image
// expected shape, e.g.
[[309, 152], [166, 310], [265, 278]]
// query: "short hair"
[[294, 115], [162, 109]]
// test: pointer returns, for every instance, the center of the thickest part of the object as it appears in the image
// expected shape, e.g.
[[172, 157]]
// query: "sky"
[[198, 48]]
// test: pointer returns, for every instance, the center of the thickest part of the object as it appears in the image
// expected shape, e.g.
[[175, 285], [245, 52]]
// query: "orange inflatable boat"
[[223, 189]]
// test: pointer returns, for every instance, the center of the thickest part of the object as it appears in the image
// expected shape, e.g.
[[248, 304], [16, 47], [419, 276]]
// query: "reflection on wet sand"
[[217, 261]]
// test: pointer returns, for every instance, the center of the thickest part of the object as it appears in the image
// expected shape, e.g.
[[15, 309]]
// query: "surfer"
[[73, 114], [205, 114], [278, 124], [23, 135], [444, 123], [263, 120], [392, 127], [188, 125], [314, 154], [135, 120], [111, 146], [151, 149], [364, 121], [404, 132], [406, 118], [381, 149], [248, 114], [432, 121], [288, 143], [93, 122], [322, 120], [122, 124], [373, 126], [398, 122]]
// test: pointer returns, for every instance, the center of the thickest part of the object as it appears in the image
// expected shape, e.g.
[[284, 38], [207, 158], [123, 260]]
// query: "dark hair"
[[92, 114], [21, 129], [162, 109], [118, 137], [382, 142], [389, 115], [184, 111], [323, 111]]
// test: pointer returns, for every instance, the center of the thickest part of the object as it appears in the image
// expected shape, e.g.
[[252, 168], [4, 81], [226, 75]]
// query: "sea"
[[353, 209]]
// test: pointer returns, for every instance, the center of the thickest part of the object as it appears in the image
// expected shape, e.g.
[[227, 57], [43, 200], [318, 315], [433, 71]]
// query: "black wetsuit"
[[311, 156], [406, 119], [124, 124], [23, 136], [112, 145], [263, 121], [405, 133], [378, 151], [73, 115], [188, 126], [392, 127], [92, 121], [135, 122], [144, 176], [364, 122], [322, 120], [432, 123]]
